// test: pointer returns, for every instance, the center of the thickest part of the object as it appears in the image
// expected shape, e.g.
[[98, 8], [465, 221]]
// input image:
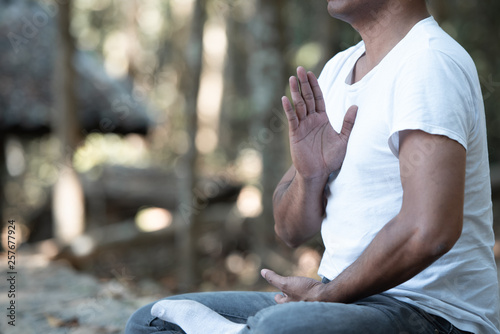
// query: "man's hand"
[[317, 149], [294, 288]]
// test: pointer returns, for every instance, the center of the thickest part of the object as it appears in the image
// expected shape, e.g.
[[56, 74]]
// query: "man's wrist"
[[319, 180], [330, 293]]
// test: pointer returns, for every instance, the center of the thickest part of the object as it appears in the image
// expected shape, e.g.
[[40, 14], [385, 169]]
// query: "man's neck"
[[384, 29]]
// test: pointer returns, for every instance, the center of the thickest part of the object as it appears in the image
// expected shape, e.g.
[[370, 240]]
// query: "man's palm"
[[316, 148]]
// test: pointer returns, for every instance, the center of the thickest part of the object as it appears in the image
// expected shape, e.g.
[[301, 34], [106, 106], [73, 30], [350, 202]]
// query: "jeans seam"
[[233, 315], [224, 314]]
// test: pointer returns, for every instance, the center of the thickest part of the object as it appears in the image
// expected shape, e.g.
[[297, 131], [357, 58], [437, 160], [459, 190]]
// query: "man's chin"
[[331, 7], [341, 9], [334, 9]]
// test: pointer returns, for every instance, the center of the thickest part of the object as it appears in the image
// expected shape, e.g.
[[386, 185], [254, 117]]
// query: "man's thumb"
[[349, 119]]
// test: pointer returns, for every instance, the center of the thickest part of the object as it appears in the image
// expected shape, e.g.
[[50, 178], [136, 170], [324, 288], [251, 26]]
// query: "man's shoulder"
[[428, 43]]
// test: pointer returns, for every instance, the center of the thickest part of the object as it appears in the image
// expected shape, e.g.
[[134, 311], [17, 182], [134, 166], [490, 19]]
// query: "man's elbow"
[[438, 248], [433, 243], [290, 241]]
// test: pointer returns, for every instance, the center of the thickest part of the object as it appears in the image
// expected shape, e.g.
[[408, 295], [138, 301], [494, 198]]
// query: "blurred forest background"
[[146, 137]]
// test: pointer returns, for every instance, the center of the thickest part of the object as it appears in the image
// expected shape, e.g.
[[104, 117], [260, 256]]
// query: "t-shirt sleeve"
[[432, 94]]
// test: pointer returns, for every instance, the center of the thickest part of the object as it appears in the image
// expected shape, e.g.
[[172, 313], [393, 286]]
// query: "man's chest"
[[373, 125]]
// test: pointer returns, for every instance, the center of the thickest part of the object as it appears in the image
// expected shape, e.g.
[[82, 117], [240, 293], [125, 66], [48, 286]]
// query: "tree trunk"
[[236, 91], [3, 179], [266, 73], [133, 51], [68, 206], [190, 206]]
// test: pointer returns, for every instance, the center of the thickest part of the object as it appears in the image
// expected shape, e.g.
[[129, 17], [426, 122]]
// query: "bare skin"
[[317, 150], [430, 220], [381, 24]]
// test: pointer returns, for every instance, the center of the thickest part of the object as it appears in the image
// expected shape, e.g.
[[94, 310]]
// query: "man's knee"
[[279, 319]]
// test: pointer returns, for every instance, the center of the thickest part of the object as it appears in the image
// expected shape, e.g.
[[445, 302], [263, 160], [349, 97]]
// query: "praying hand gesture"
[[316, 148]]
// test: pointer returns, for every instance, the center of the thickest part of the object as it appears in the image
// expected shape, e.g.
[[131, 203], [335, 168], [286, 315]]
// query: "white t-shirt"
[[426, 82]]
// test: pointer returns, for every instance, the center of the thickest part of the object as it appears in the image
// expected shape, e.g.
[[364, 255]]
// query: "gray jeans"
[[379, 314]]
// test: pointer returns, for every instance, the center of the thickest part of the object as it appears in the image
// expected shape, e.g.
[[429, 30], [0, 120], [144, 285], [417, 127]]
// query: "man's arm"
[[317, 150], [298, 207], [428, 225]]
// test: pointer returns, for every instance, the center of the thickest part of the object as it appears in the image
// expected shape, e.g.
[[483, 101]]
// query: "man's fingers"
[[349, 119], [278, 282], [318, 95], [298, 101], [273, 278], [305, 88], [281, 299], [293, 120]]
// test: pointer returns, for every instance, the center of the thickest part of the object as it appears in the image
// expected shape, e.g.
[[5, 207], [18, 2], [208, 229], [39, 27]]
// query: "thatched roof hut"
[[27, 51]]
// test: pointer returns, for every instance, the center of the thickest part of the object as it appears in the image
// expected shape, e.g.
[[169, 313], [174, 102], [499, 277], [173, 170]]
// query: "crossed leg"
[[236, 307], [254, 312]]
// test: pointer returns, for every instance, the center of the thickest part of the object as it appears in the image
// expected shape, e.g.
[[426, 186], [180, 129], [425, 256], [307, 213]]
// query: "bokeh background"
[[141, 140]]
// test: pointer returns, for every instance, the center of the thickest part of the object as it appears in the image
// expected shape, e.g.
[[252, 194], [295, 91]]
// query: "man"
[[401, 194]]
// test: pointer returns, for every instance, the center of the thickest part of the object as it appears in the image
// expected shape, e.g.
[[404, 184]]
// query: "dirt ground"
[[52, 298]]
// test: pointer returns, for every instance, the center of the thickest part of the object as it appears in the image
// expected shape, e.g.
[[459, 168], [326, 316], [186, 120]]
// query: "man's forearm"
[[429, 224], [298, 207], [399, 251]]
